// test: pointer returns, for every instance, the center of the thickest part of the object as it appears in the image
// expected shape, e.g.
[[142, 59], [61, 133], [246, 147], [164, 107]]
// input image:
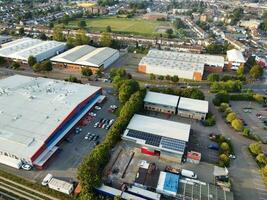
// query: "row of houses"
[[73, 59]]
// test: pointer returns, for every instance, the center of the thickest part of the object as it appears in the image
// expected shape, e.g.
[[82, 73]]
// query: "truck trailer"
[[11, 162], [61, 186]]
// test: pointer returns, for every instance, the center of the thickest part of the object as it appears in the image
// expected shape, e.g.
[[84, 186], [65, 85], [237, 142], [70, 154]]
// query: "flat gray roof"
[[85, 55], [32, 108], [196, 105], [161, 127], [162, 99], [22, 48]]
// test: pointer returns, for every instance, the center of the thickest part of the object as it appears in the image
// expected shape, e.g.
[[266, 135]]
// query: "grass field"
[[122, 25]]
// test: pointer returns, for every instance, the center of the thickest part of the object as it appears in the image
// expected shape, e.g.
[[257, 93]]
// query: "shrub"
[[86, 71], [228, 111], [15, 65], [32, 61], [224, 147], [224, 160], [213, 77], [255, 149], [230, 117], [221, 97], [237, 124], [210, 120], [223, 107], [261, 159], [246, 132]]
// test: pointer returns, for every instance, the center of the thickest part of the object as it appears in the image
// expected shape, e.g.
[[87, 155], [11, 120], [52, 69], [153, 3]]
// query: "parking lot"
[[73, 149], [253, 115]]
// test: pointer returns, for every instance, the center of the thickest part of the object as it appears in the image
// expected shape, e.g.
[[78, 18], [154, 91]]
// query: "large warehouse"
[[184, 65], [159, 137], [86, 56], [22, 49], [172, 104], [36, 114]]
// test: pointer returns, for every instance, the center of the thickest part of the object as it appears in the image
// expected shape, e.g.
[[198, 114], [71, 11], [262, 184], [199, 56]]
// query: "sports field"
[[122, 25]]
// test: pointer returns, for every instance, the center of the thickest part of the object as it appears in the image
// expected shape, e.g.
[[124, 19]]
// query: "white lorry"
[[12, 162], [188, 174], [61, 186]]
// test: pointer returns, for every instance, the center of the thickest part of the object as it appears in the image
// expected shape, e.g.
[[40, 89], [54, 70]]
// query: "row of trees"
[[174, 78], [90, 171], [192, 93], [229, 86], [256, 151], [41, 66], [214, 77]]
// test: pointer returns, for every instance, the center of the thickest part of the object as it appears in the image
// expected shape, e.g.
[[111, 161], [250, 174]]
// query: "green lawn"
[[122, 25]]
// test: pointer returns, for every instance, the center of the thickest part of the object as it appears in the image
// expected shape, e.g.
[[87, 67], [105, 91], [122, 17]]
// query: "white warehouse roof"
[[32, 108], [234, 55], [22, 48], [161, 127], [86, 55], [193, 105], [162, 99]]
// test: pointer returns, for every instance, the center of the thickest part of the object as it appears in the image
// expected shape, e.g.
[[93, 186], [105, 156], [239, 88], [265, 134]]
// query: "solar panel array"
[[150, 139], [173, 144]]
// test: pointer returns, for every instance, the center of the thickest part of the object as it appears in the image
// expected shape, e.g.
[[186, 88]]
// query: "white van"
[[188, 174], [47, 179]]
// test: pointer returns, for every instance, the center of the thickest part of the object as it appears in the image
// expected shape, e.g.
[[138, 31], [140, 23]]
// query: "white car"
[[26, 167], [98, 108], [92, 114], [47, 179], [113, 106], [87, 136], [96, 124]]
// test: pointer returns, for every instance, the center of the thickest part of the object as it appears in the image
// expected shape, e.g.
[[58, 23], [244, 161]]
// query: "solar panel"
[[173, 144], [150, 139]]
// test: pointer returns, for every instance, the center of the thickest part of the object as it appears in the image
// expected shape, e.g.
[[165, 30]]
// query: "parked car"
[[26, 166], [213, 147], [96, 124], [47, 179], [212, 136], [87, 136], [98, 108], [232, 156], [78, 130], [188, 174]]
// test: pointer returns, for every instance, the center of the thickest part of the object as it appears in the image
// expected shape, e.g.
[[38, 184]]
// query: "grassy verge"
[[34, 186]]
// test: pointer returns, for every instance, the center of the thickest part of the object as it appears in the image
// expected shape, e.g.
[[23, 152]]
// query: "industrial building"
[[172, 104], [86, 56], [193, 108], [184, 65], [235, 59], [154, 136], [21, 49], [161, 102], [41, 114]]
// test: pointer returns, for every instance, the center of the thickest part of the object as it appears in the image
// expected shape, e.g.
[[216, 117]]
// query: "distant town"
[[133, 100]]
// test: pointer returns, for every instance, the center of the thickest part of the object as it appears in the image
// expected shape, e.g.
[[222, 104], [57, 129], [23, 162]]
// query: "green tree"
[[231, 117], [169, 32], [221, 97], [225, 147], [127, 88], [258, 98], [261, 159], [175, 79], [168, 77], [197, 94], [36, 67], [105, 39], [152, 76], [15, 65], [255, 148], [21, 31], [108, 29], [246, 132], [82, 24], [213, 77], [224, 160], [264, 171], [227, 111], [160, 77], [223, 107], [240, 71], [237, 125], [86, 71], [99, 73], [256, 71], [32, 61], [58, 34]]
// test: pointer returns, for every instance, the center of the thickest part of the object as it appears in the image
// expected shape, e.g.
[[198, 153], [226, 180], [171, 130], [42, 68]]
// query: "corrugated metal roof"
[[162, 99], [193, 105]]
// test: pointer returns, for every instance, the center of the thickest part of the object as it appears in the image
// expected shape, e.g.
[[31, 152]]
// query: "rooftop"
[[85, 55], [160, 127], [184, 61], [193, 105], [168, 183], [162, 99], [235, 56], [25, 47], [39, 106]]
